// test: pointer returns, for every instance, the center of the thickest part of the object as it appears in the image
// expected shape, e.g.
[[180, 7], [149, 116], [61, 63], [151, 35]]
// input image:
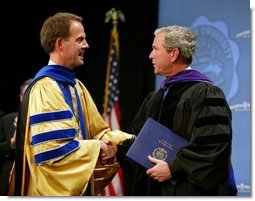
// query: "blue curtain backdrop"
[[223, 53]]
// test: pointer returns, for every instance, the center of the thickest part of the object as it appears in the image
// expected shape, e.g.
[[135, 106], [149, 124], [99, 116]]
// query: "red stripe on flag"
[[103, 192], [120, 173], [111, 189]]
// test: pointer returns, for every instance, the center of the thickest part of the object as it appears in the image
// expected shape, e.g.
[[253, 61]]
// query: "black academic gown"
[[7, 130], [197, 111]]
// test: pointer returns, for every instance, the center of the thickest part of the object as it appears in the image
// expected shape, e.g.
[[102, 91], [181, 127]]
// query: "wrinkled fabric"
[[66, 172], [198, 112]]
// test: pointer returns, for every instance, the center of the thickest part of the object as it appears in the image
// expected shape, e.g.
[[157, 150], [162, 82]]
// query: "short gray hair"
[[181, 38]]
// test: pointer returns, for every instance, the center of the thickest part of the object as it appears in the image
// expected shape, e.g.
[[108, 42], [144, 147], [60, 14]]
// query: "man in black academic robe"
[[190, 105]]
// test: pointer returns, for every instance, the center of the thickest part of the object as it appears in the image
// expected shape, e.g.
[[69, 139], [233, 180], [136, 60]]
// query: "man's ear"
[[59, 44], [175, 53]]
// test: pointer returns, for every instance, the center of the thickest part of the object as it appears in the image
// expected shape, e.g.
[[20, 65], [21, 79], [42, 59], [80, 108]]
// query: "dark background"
[[22, 55]]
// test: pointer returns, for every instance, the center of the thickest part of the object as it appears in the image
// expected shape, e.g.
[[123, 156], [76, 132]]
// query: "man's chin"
[[81, 62]]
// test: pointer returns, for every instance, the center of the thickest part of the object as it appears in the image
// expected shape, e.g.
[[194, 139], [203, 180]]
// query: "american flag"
[[112, 107]]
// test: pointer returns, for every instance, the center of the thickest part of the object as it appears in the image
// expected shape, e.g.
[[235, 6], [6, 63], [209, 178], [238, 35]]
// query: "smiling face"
[[73, 48]]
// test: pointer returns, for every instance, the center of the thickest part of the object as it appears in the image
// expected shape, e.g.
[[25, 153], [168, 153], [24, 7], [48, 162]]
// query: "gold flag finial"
[[114, 15]]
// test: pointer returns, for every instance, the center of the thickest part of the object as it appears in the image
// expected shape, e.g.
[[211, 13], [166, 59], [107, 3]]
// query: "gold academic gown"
[[68, 174]]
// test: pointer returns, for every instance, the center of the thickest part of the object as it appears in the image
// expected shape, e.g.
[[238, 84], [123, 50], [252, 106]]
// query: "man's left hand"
[[160, 172]]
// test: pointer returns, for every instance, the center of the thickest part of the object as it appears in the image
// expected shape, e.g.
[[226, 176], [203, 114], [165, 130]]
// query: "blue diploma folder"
[[156, 140]]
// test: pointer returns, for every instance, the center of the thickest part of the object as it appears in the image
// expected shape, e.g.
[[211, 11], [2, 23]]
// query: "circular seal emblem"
[[217, 55], [160, 153]]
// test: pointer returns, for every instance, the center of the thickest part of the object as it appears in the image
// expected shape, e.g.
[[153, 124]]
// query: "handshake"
[[108, 152]]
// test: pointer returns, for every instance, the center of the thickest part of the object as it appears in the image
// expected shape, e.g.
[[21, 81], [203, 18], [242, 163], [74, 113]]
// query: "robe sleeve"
[[204, 117], [61, 163], [97, 127]]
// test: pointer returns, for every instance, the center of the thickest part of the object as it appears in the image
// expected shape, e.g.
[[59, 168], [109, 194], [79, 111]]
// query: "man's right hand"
[[107, 152]]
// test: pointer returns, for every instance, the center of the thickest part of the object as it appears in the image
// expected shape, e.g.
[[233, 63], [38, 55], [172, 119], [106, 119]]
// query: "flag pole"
[[112, 15], [111, 97]]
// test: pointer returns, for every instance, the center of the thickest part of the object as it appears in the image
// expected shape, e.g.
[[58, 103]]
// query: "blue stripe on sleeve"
[[60, 134], [55, 153], [50, 116]]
